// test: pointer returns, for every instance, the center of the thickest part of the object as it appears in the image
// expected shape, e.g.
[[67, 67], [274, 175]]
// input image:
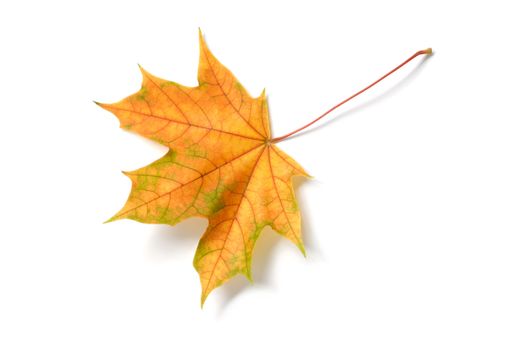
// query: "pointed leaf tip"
[[102, 105], [202, 300], [113, 218], [200, 36], [301, 247], [142, 70]]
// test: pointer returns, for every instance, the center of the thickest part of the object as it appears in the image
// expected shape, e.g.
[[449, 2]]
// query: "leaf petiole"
[[421, 52]]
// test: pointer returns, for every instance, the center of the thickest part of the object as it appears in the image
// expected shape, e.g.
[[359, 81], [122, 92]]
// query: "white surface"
[[413, 223]]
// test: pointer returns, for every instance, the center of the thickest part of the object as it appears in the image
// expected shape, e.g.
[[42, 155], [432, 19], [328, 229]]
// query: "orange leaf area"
[[221, 165]]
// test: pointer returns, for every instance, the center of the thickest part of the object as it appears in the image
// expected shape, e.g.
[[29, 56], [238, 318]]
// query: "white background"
[[412, 223]]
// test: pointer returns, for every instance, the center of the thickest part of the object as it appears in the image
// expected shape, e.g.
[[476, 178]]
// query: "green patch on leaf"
[[195, 151], [142, 94], [145, 182], [214, 199]]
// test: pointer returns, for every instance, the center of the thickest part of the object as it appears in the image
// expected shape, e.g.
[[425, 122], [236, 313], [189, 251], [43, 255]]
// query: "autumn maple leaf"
[[221, 165]]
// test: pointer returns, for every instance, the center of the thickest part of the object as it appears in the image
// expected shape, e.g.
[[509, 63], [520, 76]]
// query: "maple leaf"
[[221, 165]]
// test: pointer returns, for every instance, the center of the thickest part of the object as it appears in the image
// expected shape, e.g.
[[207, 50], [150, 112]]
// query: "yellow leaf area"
[[221, 165]]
